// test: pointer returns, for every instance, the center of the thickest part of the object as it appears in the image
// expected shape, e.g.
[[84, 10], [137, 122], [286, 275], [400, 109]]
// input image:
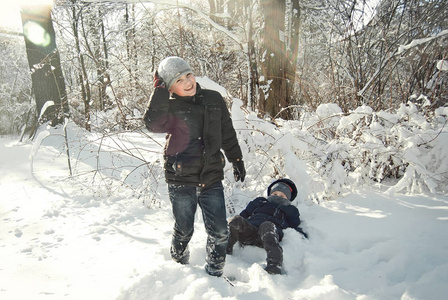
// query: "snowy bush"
[[329, 152], [17, 114], [337, 152]]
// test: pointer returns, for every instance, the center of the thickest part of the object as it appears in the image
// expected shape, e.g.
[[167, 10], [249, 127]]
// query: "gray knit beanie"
[[282, 187], [172, 68]]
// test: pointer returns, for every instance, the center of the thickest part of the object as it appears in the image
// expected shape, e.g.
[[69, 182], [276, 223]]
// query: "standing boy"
[[262, 222], [198, 126]]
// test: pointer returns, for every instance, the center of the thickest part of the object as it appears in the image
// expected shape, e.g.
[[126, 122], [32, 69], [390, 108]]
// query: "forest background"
[[346, 98], [378, 62]]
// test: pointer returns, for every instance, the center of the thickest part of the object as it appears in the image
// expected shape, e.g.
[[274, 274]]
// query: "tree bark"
[[273, 64], [44, 62], [292, 53]]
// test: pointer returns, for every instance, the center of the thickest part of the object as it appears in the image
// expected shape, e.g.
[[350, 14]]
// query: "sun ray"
[[10, 19]]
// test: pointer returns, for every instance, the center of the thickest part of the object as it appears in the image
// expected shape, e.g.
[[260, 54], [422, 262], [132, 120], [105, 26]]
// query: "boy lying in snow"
[[262, 222]]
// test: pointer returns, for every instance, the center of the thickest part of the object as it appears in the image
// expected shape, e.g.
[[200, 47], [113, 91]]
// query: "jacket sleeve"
[[293, 219], [247, 212], [292, 216], [230, 144], [157, 117]]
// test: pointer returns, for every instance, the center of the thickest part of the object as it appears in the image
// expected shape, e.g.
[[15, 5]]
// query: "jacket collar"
[[278, 200]]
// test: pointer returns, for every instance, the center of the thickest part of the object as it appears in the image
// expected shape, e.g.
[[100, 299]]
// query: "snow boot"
[[274, 251], [273, 269], [181, 258], [213, 271]]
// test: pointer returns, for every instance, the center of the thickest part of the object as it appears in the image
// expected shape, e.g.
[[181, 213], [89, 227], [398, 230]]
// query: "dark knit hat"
[[284, 185], [172, 68]]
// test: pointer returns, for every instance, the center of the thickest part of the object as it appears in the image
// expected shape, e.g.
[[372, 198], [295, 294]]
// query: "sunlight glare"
[[18, 3], [10, 12], [10, 16], [36, 34], [10, 20]]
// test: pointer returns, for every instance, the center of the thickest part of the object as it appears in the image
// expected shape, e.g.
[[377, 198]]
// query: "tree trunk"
[[96, 46], [292, 52], [105, 76], [252, 97], [83, 79], [273, 65], [44, 62]]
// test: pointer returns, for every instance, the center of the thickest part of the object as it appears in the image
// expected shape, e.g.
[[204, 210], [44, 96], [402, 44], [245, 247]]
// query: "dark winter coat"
[[260, 210], [197, 129]]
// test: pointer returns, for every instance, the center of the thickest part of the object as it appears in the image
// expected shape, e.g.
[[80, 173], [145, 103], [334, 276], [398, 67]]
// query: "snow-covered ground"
[[61, 239], [90, 237]]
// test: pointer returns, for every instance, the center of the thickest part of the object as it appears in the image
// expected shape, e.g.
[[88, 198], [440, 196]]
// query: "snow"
[[418, 42], [442, 65], [105, 232]]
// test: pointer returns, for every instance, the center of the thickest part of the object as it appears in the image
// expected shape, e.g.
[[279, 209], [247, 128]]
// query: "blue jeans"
[[184, 200]]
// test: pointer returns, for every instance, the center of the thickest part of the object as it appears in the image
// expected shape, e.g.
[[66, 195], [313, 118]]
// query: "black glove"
[[298, 229], [239, 172], [158, 81]]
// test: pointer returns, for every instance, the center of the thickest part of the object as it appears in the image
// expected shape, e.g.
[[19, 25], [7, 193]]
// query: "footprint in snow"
[[18, 233]]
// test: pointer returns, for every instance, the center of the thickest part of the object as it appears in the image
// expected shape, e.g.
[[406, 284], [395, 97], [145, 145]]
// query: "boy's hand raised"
[[158, 81]]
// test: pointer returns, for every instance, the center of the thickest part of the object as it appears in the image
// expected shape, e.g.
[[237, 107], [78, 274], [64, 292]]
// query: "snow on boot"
[[182, 258], [213, 271]]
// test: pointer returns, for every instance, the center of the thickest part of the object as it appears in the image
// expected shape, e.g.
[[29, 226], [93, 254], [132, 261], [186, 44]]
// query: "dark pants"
[[265, 236], [184, 200]]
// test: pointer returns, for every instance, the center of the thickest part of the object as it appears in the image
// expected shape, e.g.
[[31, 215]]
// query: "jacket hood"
[[289, 182]]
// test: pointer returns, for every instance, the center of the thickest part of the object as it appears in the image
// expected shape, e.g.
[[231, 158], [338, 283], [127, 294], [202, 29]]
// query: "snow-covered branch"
[[418, 42], [184, 5]]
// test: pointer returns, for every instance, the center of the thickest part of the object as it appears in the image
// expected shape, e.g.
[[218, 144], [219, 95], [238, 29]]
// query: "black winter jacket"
[[260, 210], [197, 129]]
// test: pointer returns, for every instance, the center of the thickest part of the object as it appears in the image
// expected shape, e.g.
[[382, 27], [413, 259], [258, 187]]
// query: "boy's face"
[[280, 194], [184, 86]]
